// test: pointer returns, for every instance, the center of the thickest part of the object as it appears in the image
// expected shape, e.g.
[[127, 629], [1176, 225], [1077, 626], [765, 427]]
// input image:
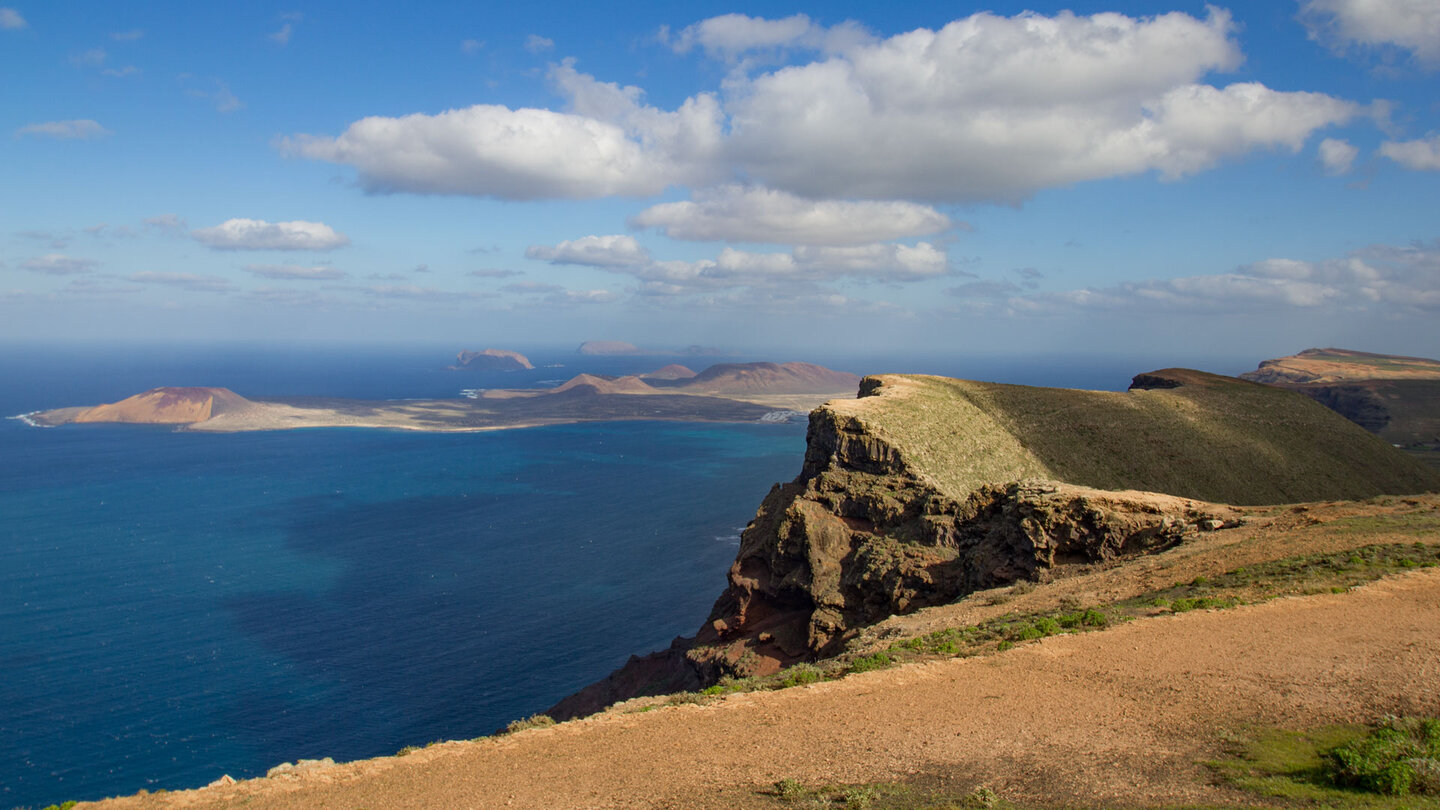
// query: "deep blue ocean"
[[176, 606]]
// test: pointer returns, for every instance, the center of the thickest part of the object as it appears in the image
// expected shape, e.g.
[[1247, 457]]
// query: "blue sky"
[[1009, 178]]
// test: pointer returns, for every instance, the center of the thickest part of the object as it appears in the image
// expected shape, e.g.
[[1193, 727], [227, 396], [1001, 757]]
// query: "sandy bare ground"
[[1121, 716]]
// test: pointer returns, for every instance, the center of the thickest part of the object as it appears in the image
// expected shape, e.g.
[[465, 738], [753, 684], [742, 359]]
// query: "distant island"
[[621, 348], [729, 392], [491, 360]]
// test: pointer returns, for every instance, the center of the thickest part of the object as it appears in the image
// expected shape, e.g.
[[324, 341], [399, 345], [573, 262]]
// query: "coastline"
[[466, 415], [26, 418]]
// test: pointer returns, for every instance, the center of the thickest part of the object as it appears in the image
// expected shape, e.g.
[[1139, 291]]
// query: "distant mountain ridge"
[[1393, 396], [730, 380], [1342, 365]]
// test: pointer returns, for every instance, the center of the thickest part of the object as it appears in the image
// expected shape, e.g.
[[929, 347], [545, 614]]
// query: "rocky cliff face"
[[862, 535]]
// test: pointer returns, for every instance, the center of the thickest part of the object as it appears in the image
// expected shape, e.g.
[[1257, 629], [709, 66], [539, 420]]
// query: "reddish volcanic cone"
[[167, 406]]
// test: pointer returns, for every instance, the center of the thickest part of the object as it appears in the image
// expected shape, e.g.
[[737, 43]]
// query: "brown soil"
[[1124, 716]]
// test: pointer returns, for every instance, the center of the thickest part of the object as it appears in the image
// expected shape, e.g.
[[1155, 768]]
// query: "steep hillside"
[[925, 489]]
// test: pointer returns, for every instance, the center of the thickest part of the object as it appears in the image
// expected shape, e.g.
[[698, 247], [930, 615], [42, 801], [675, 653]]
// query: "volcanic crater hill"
[[159, 406], [1397, 398], [925, 489]]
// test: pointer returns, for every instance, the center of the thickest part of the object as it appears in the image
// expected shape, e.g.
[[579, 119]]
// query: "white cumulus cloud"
[[1337, 156], [1411, 25], [728, 35], [1420, 155], [734, 213], [10, 19], [740, 268], [593, 251], [78, 129], [528, 153], [986, 108], [996, 108], [257, 234]]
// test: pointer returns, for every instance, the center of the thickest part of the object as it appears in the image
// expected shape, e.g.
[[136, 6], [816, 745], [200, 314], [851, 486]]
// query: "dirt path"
[[1120, 716]]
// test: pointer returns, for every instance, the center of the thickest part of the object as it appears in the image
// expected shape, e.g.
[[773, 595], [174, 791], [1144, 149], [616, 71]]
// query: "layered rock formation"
[[926, 489]]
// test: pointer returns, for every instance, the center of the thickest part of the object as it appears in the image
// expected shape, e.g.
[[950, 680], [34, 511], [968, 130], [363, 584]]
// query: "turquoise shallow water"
[[176, 606]]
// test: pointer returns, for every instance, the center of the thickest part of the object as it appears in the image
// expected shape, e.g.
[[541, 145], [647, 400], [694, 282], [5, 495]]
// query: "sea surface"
[[176, 606]]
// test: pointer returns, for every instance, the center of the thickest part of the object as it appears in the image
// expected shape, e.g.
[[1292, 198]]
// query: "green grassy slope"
[[1209, 437]]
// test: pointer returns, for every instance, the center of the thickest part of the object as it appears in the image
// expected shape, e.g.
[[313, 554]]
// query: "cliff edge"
[[924, 489]]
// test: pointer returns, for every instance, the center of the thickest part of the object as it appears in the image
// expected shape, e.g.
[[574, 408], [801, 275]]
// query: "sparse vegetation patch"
[[884, 796], [1393, 764], [533, 721]]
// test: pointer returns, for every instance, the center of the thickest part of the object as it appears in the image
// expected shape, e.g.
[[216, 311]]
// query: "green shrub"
[[879, 660], [533, 721], [790, 790], [801, 674], [1398, 756]]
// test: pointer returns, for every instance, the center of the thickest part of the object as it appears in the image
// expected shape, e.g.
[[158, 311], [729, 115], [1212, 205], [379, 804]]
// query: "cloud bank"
[[985, 109], [257, 234], [1409, 25], [734, 213]]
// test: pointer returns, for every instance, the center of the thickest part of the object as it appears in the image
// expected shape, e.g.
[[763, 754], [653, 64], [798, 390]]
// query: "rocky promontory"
[[925, 489]]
